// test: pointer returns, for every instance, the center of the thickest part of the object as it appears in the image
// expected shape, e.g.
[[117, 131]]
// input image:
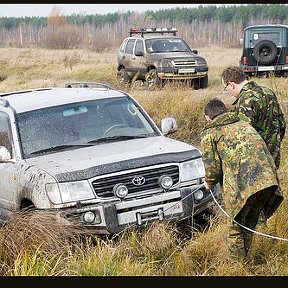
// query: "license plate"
[[186, 70], [266, 68]]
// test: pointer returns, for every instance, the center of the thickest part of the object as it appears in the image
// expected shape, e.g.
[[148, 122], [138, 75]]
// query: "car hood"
[[88, 162], [176, 55]]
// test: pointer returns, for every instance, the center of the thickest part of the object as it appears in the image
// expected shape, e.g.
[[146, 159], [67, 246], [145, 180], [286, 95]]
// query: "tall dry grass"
[[38, 245]]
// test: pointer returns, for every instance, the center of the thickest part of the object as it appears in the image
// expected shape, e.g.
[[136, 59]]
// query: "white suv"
[[93, 155]]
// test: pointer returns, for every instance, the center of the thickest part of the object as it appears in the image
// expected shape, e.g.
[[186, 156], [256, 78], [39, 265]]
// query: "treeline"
[[224, 14], [204, 25]]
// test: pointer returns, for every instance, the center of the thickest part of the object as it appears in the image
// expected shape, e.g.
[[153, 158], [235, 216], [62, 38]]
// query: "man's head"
[[214, 108], [233, 79]]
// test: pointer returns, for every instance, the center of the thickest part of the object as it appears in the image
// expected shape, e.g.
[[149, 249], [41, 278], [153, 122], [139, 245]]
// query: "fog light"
[[198, 195], [165, 182], [120, 190], [89, 216]]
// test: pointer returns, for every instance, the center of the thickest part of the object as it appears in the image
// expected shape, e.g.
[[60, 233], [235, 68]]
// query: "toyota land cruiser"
[[94, 156]]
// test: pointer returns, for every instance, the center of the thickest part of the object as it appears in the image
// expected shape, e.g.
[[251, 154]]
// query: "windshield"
[[259, 36], [164, 45], [81, 124]]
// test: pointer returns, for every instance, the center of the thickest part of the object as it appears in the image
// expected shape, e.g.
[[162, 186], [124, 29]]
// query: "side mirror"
[[168, 126], [195, 51], [4, 154], [139, 53], [241, 40]]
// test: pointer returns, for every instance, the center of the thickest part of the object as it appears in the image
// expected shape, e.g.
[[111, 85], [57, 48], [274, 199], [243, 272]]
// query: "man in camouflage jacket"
[[259, 106], [235, 155]]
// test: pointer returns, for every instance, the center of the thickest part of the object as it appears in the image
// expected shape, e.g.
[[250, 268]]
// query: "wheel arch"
[[26, 204]]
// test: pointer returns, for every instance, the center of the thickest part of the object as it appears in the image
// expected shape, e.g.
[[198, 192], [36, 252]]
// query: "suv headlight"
[[69, 192], [201, 61], [167, 63], [193, 169]]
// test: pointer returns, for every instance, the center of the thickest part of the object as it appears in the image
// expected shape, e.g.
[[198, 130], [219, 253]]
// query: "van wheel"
[[152, 80], [265, 52]]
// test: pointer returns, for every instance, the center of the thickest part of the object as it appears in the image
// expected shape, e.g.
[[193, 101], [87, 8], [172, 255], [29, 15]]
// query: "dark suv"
[[156, 55], [265, 50]]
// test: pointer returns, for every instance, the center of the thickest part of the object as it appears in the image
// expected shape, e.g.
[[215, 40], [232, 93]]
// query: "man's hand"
[[206, 186]]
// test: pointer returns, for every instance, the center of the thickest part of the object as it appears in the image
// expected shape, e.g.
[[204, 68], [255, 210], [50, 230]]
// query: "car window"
[[5, 132], [164, 45], [122, 46], [139, 47], [260, 36], [129, 46], [79, 123]]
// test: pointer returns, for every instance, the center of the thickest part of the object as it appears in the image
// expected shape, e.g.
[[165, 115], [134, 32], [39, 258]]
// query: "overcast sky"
[[22, 10]]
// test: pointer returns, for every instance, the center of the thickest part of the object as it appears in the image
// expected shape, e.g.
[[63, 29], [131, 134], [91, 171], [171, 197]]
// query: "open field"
[[156, 250]]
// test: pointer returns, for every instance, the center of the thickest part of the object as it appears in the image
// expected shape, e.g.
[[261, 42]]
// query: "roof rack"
[[87, 85], [161, 31], [23, 91]]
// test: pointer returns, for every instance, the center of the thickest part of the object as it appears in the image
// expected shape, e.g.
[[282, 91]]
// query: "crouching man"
[[235, 155]]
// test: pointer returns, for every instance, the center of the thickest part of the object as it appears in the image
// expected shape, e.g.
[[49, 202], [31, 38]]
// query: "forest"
[[201, 26]]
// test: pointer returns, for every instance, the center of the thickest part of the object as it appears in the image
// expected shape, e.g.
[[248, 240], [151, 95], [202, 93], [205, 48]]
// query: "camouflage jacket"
[[235, 155], [262, 108]]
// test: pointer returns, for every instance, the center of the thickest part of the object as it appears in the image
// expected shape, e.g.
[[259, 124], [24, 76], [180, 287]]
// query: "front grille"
[[104, 187], [184, 63]]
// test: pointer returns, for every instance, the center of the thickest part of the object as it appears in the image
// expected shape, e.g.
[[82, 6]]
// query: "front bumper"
[[170, 206], [185, 73]]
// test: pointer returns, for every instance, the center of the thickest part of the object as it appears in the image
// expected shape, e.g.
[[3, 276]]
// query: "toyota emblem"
[[138, 180]]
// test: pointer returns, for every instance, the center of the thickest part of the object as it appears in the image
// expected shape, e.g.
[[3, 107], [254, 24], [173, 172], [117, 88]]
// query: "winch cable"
[[244, 227]]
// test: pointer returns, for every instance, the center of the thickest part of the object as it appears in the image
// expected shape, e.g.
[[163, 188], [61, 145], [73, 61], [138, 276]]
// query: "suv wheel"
[[123, 77], [152, 79], [200, 83], [265, 52]]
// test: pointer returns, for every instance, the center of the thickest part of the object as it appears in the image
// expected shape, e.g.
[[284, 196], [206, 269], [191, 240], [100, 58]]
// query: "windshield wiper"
[[117, 138], [58, 147]]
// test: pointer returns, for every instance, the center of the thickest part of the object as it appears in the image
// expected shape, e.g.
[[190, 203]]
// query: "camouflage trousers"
[[239, 239]]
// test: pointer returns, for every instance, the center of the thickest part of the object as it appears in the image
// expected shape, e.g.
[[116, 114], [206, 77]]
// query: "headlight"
[[92, 217], [69, 192], [120, 190], [167, 63], [201, 61], [198, 195], [165, 182], [53, 193], [192, 170], [89, 216]]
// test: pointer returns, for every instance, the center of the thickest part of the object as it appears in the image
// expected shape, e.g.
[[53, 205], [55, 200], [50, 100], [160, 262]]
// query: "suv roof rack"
[[23, 91], [87, 85], [161, 31]]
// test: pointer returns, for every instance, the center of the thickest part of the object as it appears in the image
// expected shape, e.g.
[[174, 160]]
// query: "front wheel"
[[152, 79], [200, 83], [123, 78]]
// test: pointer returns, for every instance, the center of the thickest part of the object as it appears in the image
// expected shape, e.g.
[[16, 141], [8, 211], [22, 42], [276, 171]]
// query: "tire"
[[152, 80], [204, 82], [123, 77], [200, 83], [265, 52]]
